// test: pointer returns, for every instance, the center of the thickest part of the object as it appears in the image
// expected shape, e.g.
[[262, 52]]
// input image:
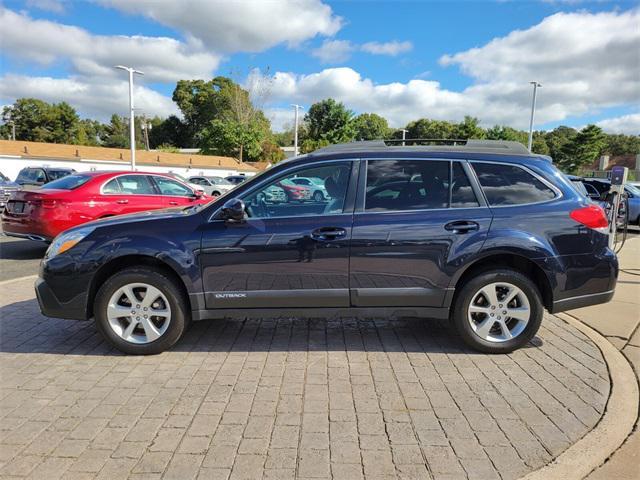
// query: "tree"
[[560, 144], [468, 128], [39, 121], [621, 145], [230, 138], [586, 147], [62, 123], [369, 126], [329, 121], [271, 152], [426, 128], [90, 132], [170, 131]]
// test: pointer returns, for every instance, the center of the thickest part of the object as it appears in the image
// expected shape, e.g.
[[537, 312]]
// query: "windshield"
[[70, 182], [219, 181], [56, 174], [633, 189]]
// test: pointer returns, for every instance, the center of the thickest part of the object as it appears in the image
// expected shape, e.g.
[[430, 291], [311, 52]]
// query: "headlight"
[[66, 241]]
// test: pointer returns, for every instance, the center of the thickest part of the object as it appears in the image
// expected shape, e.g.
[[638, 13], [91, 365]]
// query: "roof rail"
[[500, 146]]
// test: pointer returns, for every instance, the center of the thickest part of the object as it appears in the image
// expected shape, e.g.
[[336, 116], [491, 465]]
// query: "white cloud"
[[334, 51], [339, 51], [583, 57], [94, 99], [389, 48], [55, 6], [627, 124], [585, 61], [160, 58], [231, 26]]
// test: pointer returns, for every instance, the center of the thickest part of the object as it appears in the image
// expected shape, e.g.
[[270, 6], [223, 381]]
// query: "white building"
[[14, 156]]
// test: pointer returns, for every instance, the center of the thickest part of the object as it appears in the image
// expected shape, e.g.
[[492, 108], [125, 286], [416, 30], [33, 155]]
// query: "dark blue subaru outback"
[[484, 234]]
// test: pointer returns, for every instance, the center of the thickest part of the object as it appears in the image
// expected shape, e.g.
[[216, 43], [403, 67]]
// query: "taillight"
[[591, 216]]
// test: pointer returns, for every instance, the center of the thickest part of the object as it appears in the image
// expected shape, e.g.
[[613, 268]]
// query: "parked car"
[[632, 194], [485, 234], [316, 185], [81, 197], [214, 186], [41, 175], [194, 186], [274, 194], [236, 179], [295, 192], [7, 187]]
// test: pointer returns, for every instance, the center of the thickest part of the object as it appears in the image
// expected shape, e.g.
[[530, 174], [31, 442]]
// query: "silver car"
[[214, 186]]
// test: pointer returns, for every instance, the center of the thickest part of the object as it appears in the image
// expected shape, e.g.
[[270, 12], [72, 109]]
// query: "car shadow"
[[23, 329], [22, 250]]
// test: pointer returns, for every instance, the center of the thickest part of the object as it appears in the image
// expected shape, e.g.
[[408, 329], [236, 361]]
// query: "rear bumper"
[[26, 227], [581, 301], [29, 236], [51, 306]]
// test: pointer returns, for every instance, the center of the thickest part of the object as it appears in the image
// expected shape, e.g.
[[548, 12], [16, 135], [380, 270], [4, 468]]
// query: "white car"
[[214, 186], [177, 176]]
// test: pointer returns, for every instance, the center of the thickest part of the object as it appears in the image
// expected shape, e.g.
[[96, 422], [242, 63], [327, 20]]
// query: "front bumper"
[[51, 306]]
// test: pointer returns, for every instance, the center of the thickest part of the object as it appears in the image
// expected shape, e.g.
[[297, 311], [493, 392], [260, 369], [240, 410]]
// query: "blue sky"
[[403, 60]]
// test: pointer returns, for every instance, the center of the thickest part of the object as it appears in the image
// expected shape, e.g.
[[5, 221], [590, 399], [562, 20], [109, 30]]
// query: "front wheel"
[[141, 311], [318, 196], [497, 311]]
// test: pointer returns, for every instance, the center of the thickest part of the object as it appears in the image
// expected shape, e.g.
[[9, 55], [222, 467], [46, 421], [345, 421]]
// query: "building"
[[15, 155]]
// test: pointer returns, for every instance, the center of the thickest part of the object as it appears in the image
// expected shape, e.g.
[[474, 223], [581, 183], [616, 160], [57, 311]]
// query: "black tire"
[[180, 314], [465, 295], [318, 196], [215, 193]]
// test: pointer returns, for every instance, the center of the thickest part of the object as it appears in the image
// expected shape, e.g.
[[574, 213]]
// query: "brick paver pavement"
[[287, 398]]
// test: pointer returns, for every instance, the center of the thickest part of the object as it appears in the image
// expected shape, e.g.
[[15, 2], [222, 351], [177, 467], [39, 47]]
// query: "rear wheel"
[[318, 196], [498, 311], [141, 311]]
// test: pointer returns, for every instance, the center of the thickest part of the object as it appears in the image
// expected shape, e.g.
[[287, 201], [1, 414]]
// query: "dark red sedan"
[[43, 213]]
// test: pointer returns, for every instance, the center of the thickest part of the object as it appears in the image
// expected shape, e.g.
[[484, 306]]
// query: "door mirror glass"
[[233, 211]]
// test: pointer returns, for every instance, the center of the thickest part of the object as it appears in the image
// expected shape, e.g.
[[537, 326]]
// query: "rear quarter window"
[[505, 184]]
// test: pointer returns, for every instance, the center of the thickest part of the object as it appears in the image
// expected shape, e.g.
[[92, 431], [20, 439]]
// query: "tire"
[[170, 304], [318, 196], [491, 337], [215, 193]]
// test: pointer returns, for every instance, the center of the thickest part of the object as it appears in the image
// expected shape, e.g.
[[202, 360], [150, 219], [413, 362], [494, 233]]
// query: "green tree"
[[468, 128], [560, 143], [329, 121], [369, 126], [230, 138], [621, 145], [62, 123], [39, 121], [309, 145], [271, 152], [427, 128], [586, 147], [90, 132]]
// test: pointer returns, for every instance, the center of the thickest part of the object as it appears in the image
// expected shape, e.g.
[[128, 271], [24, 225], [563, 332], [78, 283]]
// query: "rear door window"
[[136, 185], [505, 184], [462, 194], [399, 185]]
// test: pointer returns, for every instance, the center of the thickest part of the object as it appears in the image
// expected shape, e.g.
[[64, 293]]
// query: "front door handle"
[[462, 226], [122, 202], [173, 202], [328, 233]]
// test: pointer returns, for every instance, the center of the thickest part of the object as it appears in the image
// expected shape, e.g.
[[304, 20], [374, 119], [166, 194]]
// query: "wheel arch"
[[512, 261], [128, 261]]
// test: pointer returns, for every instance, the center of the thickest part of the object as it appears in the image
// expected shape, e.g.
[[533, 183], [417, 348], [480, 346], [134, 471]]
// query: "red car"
[[295, 192], [43, 213]]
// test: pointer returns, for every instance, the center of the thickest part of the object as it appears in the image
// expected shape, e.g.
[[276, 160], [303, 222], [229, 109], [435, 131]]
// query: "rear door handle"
[[328, 233], [462, 226], [122, 201], [173, 203]]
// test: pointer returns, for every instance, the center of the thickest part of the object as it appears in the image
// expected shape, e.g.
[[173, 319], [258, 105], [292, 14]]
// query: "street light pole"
[[132, 123], [404, 132], [295, 130], [533, 111]]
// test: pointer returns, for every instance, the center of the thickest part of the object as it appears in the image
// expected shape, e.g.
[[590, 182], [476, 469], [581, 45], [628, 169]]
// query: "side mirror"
[[233, 211], [198, 194]]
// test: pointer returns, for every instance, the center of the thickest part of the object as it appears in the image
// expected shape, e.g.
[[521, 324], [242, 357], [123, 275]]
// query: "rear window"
[[69, 182], [56, 174], [510, 185]]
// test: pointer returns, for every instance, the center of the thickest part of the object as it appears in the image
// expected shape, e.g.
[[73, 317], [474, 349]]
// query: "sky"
[[403, 60]]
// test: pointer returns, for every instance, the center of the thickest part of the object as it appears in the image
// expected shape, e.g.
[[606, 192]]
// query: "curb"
[[4, 282], [617, 422]]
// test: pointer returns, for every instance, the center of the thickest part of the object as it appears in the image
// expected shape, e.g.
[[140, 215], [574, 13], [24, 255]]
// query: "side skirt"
[[339, 312]]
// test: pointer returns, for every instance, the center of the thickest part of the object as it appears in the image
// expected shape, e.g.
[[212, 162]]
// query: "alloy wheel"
[[499, 312], [139, 313]]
